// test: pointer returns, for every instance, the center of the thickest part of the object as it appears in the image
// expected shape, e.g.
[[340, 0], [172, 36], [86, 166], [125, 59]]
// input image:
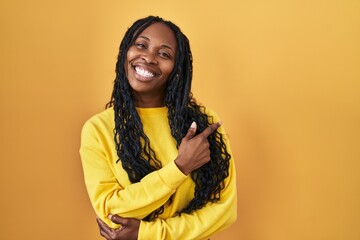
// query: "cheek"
[[170, 68], [131, 54]]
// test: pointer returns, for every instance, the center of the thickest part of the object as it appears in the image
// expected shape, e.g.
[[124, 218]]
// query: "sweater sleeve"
[[204, 222], [201, 223], [108, 196]]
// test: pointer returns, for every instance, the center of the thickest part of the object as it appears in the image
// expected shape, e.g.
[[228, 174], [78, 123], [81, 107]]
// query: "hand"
[[194, 151], [129, 229]]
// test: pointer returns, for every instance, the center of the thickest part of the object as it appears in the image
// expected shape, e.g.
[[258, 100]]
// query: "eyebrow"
[[163, 45]]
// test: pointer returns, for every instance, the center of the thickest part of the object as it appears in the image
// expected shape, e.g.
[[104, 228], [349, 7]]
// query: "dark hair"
[[139, 159]]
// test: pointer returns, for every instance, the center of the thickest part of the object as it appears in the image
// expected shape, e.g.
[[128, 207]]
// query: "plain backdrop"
[[284, 76]]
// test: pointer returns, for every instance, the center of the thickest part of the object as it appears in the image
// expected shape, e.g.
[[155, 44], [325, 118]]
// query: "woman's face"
[[149, 63]]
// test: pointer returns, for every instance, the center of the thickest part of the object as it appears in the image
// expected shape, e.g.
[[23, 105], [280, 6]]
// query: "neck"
[[149, 101]]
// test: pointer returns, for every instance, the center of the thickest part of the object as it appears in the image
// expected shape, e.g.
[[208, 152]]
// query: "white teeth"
[[143, 72]]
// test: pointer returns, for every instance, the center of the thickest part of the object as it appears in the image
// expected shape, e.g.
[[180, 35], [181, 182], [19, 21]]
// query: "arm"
[[213, 217], [200, 224], [108, 196]]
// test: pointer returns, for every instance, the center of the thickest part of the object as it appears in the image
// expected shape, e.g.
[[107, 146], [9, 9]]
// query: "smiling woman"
[[149, 63], [155, 162]]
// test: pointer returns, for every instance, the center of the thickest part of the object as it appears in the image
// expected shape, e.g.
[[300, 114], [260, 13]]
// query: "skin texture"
[[154, 52]]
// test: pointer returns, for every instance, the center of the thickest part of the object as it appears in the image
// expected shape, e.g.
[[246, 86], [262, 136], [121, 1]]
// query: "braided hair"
[[133, 146]]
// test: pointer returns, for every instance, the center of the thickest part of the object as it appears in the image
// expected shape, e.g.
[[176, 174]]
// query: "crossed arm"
[[108, 197]]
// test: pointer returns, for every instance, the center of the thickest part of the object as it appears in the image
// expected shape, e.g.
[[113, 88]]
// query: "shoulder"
[[104, 117], [100, 122]]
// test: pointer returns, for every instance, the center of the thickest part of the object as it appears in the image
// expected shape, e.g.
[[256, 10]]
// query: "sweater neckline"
[[151, 111]]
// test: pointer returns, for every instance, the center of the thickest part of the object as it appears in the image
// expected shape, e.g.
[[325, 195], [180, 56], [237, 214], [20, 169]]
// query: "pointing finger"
[[210, 129]]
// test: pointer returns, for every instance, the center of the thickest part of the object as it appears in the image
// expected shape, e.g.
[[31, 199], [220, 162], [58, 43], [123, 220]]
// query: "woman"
[[155, 162]]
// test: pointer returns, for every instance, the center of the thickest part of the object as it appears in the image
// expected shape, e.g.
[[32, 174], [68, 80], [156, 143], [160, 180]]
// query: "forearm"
[[108, 186], [136, 200], [197, 225], [202, 223]]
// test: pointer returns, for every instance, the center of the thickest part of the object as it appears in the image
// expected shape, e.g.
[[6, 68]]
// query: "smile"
[[144, 73]]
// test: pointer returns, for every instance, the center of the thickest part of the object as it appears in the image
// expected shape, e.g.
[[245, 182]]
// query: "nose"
[[149, 57]]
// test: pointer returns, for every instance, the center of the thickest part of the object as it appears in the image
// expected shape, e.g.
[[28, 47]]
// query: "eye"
[[164, 54], [140, 45]]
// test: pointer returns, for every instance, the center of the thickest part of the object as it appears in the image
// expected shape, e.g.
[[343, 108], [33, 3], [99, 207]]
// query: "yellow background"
[[284, 76]]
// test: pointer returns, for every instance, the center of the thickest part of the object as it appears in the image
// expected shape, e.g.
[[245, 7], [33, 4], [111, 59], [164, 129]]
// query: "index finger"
[[210, 129]]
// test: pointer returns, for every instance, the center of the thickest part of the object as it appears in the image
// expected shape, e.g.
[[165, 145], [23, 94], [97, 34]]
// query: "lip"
[[146, 68]]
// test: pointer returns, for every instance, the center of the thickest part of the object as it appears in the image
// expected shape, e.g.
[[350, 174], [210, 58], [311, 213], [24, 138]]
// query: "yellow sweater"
[[110, 190]]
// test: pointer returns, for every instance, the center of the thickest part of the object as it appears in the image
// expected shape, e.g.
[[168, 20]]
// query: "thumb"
[[117, 219], [191, 132]]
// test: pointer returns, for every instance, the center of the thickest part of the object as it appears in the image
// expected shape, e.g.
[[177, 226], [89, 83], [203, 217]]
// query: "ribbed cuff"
[[171, 175], [146, 231]]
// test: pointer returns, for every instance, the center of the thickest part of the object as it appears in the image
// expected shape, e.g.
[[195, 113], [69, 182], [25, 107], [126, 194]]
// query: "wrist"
[[181, 166]]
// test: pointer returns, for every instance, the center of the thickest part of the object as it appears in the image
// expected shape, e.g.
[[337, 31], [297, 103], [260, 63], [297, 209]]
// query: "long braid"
[[133, 146]]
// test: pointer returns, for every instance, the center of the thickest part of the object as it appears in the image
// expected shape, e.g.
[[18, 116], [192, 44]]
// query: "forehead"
[[160, 33]]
